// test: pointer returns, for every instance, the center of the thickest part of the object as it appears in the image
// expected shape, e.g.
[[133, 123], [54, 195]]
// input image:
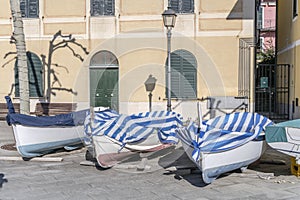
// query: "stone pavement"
[[36, 180]]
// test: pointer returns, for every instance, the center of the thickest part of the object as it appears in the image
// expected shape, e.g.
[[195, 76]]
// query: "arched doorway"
[[104, 80]]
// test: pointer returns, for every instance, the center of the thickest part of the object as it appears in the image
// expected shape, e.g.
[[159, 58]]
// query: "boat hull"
[[37, 141], [110, 152], [114, 138], [212, 165], [284, 139]]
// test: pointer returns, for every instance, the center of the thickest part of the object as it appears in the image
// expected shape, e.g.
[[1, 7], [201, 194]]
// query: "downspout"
[[253, 66], [276, 32]]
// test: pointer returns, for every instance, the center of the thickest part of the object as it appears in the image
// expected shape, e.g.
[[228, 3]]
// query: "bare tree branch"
[[9, 61], [9, 53]]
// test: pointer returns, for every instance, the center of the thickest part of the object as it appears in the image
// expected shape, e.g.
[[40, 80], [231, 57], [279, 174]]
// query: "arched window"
[[104, 58], [35, 76], [183, 75]]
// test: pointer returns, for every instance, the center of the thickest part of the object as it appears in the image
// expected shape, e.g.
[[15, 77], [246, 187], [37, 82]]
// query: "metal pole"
[[169, 70], [150, 102]]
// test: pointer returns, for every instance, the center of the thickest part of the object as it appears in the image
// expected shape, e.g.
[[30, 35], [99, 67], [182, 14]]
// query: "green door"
[[104, 87]]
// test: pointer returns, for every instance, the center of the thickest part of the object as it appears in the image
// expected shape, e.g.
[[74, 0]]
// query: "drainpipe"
[[253, 49]]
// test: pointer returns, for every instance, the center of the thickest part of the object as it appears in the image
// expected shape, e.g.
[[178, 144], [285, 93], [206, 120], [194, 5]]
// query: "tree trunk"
[[19, 39]]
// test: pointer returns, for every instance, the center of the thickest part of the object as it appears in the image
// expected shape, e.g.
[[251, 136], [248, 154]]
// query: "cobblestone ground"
[[35, 180], [70, 180]]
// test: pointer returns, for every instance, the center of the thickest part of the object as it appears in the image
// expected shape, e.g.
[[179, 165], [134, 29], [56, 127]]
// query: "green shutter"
[[109, 7], [29, 8], [35, 76], [97, 7], [187, 6], [175, 5], [102, 7], [182, 6], [183, 75], [23, 8], [35, 67], [33, 9], [175, 84], [17, 91], [189, 85]]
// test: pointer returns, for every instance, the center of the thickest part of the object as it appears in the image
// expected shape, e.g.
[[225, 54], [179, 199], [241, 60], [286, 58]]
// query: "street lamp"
[[150, 85], [169, 18]]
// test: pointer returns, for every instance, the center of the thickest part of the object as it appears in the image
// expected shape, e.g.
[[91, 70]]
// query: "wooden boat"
[[109, 152], [285, 138], [36, 136], [224, 143], [117, 138]]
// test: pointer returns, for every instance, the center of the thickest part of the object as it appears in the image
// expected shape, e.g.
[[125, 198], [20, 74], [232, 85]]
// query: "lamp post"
[[169, 18], [150, 85]]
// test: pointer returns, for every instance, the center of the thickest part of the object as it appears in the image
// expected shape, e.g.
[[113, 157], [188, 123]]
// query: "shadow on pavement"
[[274, 162], [2, 180], [184, 168]]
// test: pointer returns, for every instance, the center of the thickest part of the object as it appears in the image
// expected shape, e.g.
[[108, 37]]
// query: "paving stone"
[[70, 180]]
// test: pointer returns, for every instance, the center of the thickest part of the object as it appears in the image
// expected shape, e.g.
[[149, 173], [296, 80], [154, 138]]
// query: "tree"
[[267, 53], [18, 39], [59, 41]]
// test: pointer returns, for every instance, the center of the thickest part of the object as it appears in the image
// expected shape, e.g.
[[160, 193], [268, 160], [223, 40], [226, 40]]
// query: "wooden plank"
[[4, 111], [40, 159], [54, 108]]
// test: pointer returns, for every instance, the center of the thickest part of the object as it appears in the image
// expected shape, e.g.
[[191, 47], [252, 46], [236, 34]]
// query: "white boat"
[[285, 138], [36, 136], [110, 153], [224, 143], [117, 138]]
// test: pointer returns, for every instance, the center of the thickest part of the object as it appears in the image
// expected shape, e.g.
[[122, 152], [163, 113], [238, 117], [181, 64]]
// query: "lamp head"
[[150, 83], [169, 18]]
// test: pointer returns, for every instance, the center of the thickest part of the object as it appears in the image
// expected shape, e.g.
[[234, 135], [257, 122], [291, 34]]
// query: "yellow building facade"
[[119, 44], [288, 49]]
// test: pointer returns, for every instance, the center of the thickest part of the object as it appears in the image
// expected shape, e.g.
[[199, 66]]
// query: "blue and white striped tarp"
[[133, 128], [223, 133]]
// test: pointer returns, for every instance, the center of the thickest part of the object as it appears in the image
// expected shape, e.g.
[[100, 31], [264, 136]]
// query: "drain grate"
[[9, 147]]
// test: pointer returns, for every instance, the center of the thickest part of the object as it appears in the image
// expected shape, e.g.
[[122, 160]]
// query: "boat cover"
[[70, 119], [277, 132], [291, 123], [223, 133], [133, 128]]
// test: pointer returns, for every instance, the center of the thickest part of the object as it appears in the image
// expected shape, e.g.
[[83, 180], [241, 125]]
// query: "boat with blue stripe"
[[115, 137], [225, 143]]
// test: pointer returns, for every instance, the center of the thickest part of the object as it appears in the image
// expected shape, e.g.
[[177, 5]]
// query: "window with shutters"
[[35, 76], [102, 7], [29, 8], [183, 75], [182, 6]]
